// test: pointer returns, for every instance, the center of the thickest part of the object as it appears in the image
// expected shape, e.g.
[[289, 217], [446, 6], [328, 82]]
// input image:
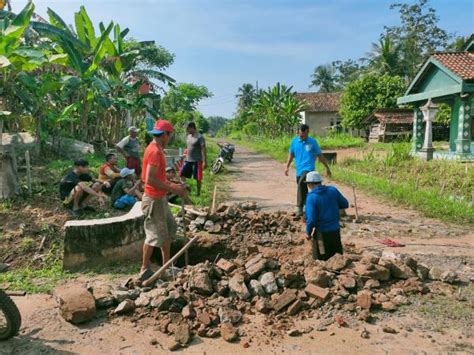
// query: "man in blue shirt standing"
[[322, 217], [304, 150]]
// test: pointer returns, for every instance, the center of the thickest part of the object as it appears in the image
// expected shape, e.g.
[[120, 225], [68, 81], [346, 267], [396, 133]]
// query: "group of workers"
[[320, 204]]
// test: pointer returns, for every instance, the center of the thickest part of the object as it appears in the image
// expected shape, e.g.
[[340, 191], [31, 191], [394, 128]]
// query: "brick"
[[316, 291], [295, 307], [284, 299], [225, 265], [255, 269]]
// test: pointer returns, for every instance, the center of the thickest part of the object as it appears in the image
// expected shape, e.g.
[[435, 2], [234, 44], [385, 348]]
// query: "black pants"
[[331, 242], [302, 190]]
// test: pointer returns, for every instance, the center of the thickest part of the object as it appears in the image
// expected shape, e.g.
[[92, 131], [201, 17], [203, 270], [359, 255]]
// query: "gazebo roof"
[[391, 116], [442, 75]]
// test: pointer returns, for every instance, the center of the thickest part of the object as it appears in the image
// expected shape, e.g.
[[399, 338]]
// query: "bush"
[[250, 129]]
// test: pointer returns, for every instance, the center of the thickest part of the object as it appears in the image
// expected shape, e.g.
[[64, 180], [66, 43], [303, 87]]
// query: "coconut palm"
[[324, 78], [384, 58], [246, 95]]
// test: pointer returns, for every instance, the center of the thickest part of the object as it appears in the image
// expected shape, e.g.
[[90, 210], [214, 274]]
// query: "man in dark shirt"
[[196, 157], [78, 187]]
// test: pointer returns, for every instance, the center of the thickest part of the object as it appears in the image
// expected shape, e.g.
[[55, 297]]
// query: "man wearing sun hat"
[[322, 216], [126, 191], [160, 226], [129, 147]]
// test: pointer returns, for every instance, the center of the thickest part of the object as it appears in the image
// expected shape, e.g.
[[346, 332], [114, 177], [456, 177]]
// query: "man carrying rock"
[[304, 150], [196, 157], [160, 226], [322, 217], [129, 147]]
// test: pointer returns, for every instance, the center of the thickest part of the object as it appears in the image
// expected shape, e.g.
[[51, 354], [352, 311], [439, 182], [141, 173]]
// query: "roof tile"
[[460, 63], [320, 101]]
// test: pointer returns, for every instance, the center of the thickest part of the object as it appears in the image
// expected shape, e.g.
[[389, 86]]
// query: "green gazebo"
[[446, 77]]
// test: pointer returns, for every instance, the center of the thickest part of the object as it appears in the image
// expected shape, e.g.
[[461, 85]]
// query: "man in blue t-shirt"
[[304, 150]]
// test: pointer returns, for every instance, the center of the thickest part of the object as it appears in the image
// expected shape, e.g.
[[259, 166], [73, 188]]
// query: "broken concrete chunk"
[[238, 287], [449, 276], [126, 306], [372, 271], [182, 334], [253, 260], [76, 303], [268, 282], [364, 299], [229, 315], [143, 301], [201, 283], [256, 288], [263, 305], [337, 262], [229, 332], [204, 318]]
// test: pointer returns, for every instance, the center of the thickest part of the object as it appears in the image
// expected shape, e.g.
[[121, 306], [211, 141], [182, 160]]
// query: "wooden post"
[[183, 214], [213, 210], [28, 171], [355, 202], [157, 274]]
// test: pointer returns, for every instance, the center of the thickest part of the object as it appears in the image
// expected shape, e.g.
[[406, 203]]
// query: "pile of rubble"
[[212, 300]]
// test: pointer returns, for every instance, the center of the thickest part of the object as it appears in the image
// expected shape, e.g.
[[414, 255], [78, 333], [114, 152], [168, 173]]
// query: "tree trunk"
[[8, 178]]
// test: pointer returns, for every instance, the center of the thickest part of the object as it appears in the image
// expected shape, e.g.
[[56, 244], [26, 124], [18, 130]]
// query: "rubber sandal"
[[145, 275]]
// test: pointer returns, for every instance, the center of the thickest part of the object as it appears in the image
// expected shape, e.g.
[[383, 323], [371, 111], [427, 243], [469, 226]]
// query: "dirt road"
[[258, 178]]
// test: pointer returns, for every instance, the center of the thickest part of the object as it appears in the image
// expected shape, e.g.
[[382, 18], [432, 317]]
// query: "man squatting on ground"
[[196, 157], [304, 150], [322, 216], [129, 147], [77, 188], [160, 226]]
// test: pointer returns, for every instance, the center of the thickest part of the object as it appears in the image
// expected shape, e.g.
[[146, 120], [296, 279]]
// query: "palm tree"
[[246, 95], [384, 58], [324, 78]]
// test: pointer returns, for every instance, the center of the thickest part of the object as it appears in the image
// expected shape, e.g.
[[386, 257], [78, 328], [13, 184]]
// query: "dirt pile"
[[213, 299]]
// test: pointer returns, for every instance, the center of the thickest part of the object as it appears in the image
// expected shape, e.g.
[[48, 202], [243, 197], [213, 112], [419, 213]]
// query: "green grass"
[[278, 148], [426, 200], [444, 311]]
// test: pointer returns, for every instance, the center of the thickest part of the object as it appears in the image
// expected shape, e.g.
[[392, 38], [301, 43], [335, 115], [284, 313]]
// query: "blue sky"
[[222, 44]]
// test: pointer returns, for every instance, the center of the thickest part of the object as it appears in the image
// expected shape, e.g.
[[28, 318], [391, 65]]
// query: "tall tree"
[[384, 58], [323, 78], [361, 97], [418, 34], [246, 95]]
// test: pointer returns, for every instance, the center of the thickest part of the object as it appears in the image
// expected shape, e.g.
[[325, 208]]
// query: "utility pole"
[[256, 86]]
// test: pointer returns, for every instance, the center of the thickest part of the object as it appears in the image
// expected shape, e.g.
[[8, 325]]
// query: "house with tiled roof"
[[445, 77], [321, 112]]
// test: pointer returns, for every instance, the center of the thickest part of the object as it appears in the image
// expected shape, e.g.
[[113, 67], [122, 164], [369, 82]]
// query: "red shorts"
[[134, 163], [192, 169]]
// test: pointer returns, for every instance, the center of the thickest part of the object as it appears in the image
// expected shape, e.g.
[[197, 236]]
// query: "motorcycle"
[[10, 318], [226, 153]]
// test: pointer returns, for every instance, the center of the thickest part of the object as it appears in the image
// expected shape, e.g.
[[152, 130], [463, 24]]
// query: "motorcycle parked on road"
[[226, 153], [10, 318]]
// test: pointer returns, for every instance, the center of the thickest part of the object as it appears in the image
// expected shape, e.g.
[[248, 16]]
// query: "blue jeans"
[[124, 201]]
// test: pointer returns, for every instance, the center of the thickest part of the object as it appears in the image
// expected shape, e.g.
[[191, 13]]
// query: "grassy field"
[[439, 189], [43, 275]]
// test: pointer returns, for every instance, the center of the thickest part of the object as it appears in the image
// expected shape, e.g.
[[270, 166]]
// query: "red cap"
[[162, 126]]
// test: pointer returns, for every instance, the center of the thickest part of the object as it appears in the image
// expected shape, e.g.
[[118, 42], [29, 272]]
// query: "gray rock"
[[237, 286], [256, 288], [120, 295], [268, 282], [126, 306], [229, 315], [449, 276]]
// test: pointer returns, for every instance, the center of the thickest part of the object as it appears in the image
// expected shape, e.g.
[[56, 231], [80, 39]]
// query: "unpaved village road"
[[255, 177]]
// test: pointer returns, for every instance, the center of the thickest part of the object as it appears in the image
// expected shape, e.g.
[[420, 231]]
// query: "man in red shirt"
[[160, 226]]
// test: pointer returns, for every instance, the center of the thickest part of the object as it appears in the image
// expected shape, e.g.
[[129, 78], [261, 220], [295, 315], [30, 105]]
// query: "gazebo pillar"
[[417, 138], [463, 141], [429, 112]]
